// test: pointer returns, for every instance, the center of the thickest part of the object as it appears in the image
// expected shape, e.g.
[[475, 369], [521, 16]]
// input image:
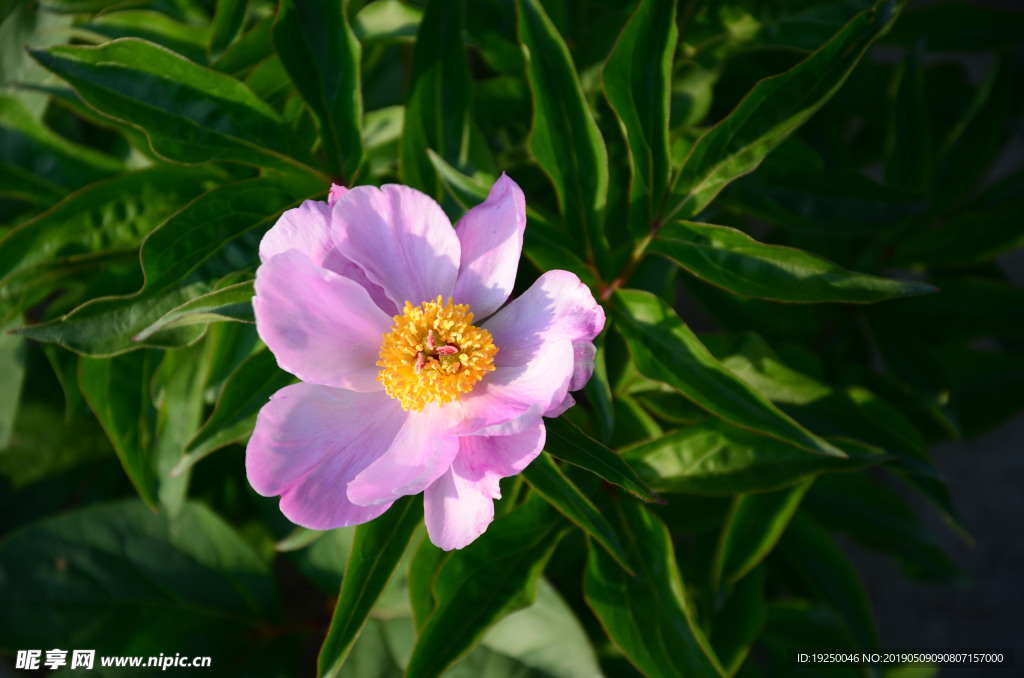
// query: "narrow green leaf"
[[187, 39], [564, 138], [799, 623], [495, 575], [29, 147], [713, 457], [909, 154], [971, 237], [246, 391], [647, 615], [426, 563], [112, 214], [213, 236], [12, 365], [321, 54], [817, 201], [665, 349], [376, 551], [567, 442], [227, 23], [437, 109], [753, 528], [109, 575], [117, 390], [233, 302], [879, 518], [637, 79], [770, 112], [737, 623], [189, 113], [387, 20], [824, 569], [548, 481], [959, 27], [734, 261]]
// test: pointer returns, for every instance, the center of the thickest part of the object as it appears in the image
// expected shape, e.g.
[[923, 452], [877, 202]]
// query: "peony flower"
[[416, 376]]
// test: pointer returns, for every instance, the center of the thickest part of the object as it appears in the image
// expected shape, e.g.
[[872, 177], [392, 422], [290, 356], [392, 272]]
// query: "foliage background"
[[135, 185]]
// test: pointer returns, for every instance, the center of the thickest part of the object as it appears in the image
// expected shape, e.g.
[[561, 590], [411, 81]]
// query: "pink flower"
[[416, 376]]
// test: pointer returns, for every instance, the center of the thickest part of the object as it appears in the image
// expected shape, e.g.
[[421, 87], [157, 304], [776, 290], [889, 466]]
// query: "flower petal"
[[459, 506], [545, 349], [420, 453], [401, 239], [307, 228], [321, 327], [555, 307], [311, 441], [491, 235], [337, 192]]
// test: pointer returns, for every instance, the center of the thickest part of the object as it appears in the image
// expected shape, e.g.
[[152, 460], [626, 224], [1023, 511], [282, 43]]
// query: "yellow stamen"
[[434, 353]]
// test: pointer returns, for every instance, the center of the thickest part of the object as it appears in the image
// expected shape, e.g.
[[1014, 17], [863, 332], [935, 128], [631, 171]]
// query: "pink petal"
[[491, 235], [311, 441], [545, 348], [321, 327], [401, 239], [557, 306], [459, 506], [307, 228], [336, 194], [514, 398], [419, 454]]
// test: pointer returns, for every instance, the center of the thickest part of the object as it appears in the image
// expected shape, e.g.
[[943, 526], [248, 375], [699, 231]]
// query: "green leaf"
[[437, 108], [187, 39], [665, 349], [972, 236], [879, 518], [817, 201], [820, 566], [387, 20], [637, 79], [111, 214], [120, 577], [227, 24], [738, 622], [713, 457], [13, 359], [321, 53], [909, 153], [246, 391], [752, 529], [233, 302], [567, 442], [647, 615], [796, 623], [549, 482], [189, 113], [564, 139], [117, 390], [736, 262], [45, 163], [216, 234], [495, 575], [769, 113], [376, 550], [426, 563], [958, 27]]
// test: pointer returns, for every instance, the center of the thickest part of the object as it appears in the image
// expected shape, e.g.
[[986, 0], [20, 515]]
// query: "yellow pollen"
[[434, 353]]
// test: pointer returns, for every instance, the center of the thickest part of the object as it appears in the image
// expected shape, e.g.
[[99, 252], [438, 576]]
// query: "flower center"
[[434, 353]]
